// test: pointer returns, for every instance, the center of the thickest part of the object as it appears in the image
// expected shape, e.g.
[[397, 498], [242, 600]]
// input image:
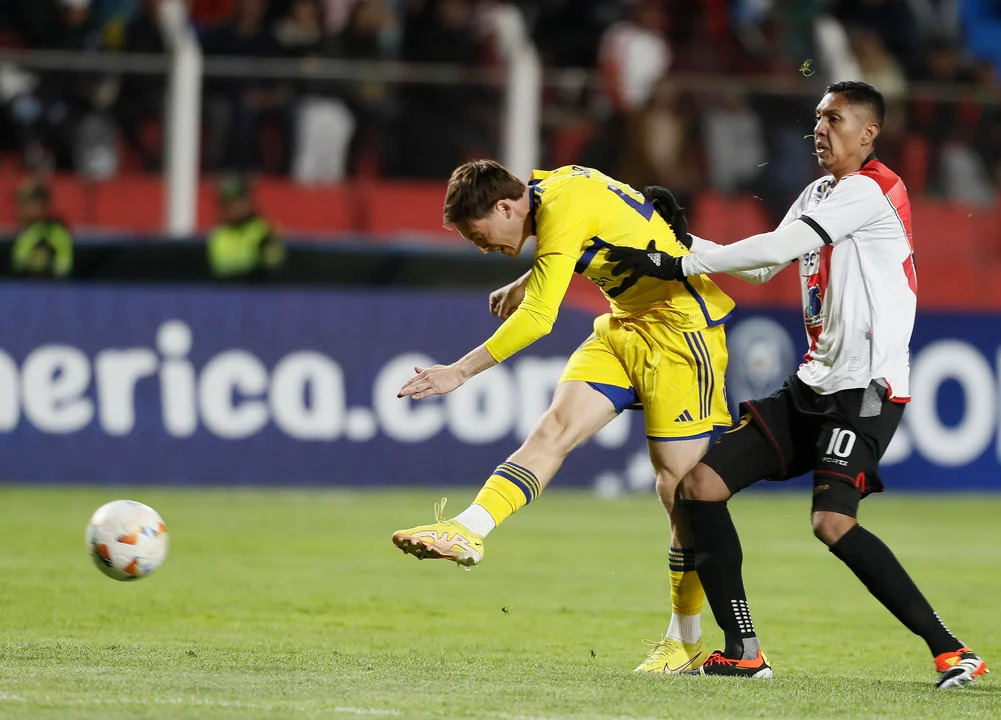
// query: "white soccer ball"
[[127, 540]]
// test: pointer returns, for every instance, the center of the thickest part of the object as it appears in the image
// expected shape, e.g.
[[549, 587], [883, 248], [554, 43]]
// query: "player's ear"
[[870, 133]]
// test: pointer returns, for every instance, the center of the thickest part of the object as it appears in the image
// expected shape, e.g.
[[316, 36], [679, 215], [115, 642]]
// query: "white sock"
[[686, 628], [476, 518]]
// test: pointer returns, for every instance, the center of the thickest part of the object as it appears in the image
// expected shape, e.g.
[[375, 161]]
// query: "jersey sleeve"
[[536, 314], [852, 204], [755, 277], [758, 251]]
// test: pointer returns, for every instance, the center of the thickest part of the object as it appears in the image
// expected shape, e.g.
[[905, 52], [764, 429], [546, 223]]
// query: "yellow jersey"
[[578, 214]]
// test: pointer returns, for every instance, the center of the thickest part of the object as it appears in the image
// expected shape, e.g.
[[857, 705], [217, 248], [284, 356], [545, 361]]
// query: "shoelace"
[[659, 646], [717, 659], [439, 510]]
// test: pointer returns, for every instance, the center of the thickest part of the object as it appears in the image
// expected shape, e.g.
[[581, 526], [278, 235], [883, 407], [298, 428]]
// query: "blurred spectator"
[[660, 148], [441, 125], [989, 131], [634, 55], [568, 32], [237, 107], [43, 246], [365, 34], [245, 246], [210, 13], [61, 118], [778, 27], [78, 27], [370, 33], [300, 33], [891, 20], [735, 143], [323, 123], [139, 109], [963, 175], [879, 68], [327, 114]]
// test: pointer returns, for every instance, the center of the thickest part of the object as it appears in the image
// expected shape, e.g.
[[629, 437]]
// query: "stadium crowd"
[[688, 94]]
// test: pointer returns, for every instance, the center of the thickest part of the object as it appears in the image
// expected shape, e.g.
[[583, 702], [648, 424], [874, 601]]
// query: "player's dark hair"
[[475, 187], [857, 92]]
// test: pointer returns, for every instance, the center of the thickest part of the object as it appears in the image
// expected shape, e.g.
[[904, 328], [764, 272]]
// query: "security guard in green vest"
[[245, 246], [44, 247]]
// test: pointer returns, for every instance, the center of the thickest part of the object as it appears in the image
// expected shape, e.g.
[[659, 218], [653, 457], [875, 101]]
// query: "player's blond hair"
[[475, 187]]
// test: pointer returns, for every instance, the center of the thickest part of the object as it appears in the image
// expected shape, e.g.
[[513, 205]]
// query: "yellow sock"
[[687, 595], [509, 488]]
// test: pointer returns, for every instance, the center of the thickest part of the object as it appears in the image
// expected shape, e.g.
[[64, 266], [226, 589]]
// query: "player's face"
[[500, 231], [843, 134]]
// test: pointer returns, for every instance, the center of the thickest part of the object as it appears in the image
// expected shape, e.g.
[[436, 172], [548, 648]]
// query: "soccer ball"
[[127, 540]]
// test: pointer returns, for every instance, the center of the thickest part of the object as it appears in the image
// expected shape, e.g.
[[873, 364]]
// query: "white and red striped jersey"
[[860, 289]]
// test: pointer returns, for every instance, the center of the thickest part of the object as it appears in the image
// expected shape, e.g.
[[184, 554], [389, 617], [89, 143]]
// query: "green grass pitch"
[[295, 604]]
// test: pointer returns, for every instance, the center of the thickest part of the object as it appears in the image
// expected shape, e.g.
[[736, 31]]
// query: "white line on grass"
[[203, 702], [367, 711]]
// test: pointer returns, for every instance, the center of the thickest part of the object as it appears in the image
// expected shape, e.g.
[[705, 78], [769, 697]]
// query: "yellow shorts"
[[675, 376]]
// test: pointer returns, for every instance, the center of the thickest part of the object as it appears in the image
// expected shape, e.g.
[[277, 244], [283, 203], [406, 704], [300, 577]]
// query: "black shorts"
[[838, 437]]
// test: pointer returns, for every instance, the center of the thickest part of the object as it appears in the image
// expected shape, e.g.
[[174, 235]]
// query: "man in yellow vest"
[[43, 247], [245, 246]]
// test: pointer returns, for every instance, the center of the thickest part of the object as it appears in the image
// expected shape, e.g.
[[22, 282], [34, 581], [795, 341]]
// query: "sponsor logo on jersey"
[[814, 305], [824, 187]]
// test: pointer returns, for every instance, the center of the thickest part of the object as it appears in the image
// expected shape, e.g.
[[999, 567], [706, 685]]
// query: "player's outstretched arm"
[[442, 379], [756, 252], [755, 277], [505, 300]]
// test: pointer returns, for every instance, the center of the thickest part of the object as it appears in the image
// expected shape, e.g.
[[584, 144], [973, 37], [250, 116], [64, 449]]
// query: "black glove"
[[668, 208], [650, 262]]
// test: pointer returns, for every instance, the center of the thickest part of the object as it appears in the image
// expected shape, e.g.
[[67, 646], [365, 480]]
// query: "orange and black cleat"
[[717, 664], [958, 669]]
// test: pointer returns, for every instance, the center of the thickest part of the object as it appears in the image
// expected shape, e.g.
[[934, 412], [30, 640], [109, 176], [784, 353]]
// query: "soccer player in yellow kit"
[[662, 346]]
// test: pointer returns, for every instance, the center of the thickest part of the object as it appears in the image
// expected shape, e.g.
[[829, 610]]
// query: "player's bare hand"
[[505, 300], [436, 380]]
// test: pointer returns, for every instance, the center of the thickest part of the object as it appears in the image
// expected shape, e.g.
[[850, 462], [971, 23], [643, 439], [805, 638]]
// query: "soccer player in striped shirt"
[[849, 233]]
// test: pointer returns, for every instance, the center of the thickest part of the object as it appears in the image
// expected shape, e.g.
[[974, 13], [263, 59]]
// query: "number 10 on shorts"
[[842, 442]]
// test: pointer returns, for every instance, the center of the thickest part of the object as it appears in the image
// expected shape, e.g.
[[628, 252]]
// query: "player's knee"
[[829, 527], [702, 483], [555, 431], [667, 487]]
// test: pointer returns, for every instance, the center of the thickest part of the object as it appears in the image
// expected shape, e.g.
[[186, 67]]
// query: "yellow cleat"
[[445, 539], [671, 657]]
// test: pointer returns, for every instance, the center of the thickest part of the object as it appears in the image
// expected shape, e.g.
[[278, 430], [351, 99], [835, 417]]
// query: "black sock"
[[718, 558], [880, 571]]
